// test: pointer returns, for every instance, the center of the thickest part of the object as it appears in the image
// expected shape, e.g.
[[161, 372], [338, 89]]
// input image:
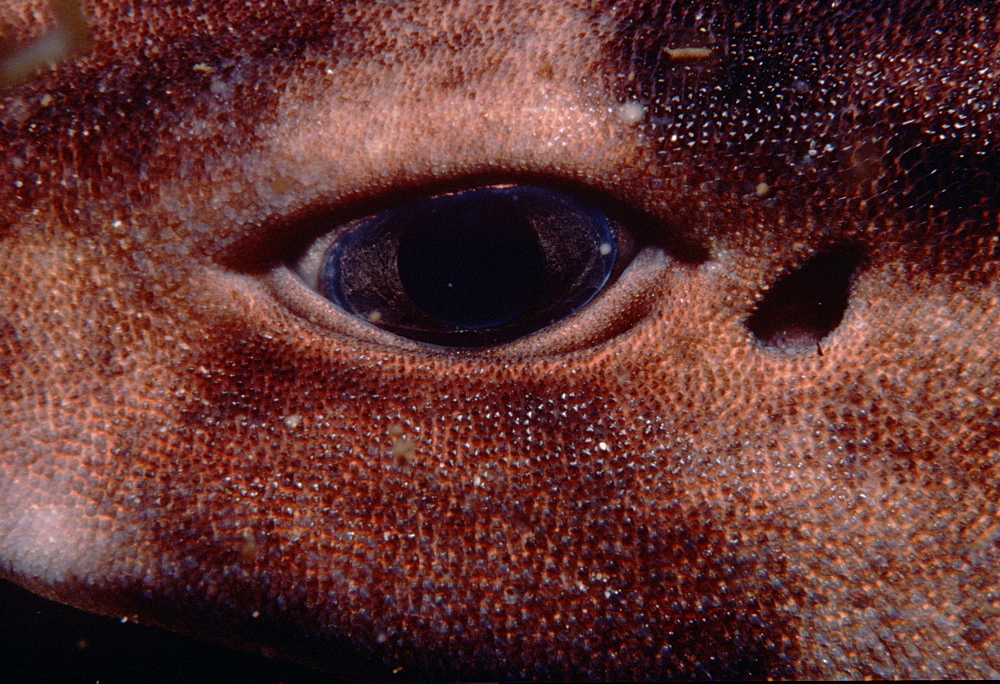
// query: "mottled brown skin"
[[192, 438]]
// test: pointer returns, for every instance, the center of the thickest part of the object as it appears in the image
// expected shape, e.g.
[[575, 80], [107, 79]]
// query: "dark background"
[[45, 641]]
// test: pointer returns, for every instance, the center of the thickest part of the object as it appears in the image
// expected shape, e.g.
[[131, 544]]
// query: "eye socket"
[[469, 269]]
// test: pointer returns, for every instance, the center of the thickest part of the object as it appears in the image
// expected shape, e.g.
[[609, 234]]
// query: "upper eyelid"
[[289, 230]]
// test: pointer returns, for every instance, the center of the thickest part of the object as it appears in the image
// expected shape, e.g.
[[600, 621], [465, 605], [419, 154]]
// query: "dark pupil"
[[471, 265]]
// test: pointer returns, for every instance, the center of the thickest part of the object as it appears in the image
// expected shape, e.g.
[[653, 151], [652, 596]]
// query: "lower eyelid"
[[613, 312], [617, 310], [288, 288]]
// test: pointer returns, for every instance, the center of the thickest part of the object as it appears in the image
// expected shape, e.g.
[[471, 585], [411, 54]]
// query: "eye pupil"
[[471, 267]]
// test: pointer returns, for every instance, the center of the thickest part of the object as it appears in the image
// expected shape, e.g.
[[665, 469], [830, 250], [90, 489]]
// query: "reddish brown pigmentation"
[[661, 485]]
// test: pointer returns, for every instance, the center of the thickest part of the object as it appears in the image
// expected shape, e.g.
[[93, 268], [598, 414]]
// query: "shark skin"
[[696, 475]]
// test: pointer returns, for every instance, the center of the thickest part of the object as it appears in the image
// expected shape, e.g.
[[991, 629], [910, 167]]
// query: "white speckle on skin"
[[632, 112]]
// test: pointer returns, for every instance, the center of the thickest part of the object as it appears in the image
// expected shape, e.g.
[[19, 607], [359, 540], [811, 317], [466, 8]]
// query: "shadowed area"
[[44, 641], [806, 305]]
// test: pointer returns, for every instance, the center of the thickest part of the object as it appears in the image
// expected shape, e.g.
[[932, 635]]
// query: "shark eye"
[[467, 269]]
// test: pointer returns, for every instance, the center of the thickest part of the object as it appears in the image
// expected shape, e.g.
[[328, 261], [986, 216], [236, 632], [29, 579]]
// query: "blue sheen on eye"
[[472, 268]]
